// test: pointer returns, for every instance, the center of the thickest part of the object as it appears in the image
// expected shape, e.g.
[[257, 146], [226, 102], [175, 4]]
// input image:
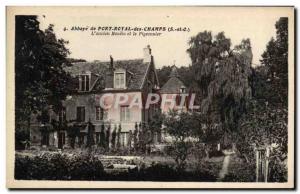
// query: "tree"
[[142, 137], [113, 137], [222, 78], [102, 136], [206, 132], [90, 135], [119, 137], [40, 78], [107, 136], [156, 121], [135, 137], [180, 126], [73, 132], [275, 58], [154, 126], [163, 74], [265, 124], [129, 139]]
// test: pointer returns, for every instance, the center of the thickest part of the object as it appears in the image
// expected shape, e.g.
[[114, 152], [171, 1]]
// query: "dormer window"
[[119, 80], [84, 83], [182, 89]]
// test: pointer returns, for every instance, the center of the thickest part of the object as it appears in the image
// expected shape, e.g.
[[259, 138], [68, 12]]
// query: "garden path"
[[226, 163]]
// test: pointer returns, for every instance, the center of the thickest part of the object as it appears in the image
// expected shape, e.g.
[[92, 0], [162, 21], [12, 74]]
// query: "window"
[[97, 137], [101, 114], [62, 115], [105, 114], [80, 114], [125, 113], [98, 113], [84, 83], [182, 89], [119, 81]]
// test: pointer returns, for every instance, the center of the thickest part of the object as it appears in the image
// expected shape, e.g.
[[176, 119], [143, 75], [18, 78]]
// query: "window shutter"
[[83, 114], [82, 83], [78, 114], [87, 83], [127, 114]]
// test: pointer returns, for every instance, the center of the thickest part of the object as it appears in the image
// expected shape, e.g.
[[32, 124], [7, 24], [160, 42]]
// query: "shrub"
[[159, 172], [240, 171], [86, 168], [21, 172], [215, 153], [78, 166], [57, 166], [164, 172], [278, 171]]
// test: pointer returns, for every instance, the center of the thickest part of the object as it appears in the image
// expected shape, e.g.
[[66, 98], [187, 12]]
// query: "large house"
[[92, 81]]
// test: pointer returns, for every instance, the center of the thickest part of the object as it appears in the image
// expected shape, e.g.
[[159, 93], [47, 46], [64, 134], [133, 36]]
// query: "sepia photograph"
[[150, 97]]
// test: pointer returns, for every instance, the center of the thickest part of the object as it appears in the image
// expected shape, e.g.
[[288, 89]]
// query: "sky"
[[238, 23]]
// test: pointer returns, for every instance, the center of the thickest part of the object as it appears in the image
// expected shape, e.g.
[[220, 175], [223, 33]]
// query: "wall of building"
[[90, 101], [168, 106]]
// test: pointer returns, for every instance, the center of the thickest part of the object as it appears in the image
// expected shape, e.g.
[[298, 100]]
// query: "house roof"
[[136, 68], [174, 72], [173, 85]]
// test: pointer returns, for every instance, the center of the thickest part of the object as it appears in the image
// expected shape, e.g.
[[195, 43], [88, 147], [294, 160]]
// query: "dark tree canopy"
[[180, 126], [222, 76], [163, 74], [275, 58], [266, 121], [40, 59]]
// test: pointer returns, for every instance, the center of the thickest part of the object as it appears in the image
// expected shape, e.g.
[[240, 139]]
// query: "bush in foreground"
[[56, 166]]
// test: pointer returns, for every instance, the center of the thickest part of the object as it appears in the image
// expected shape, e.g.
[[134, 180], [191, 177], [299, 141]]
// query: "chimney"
[[109, 75], [147, 54], [111, 65]]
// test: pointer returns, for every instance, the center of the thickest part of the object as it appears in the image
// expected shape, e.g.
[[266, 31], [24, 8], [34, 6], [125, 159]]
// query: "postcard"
[[151, 97]]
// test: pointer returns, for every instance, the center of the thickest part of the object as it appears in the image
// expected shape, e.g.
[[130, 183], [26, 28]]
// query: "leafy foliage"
[[113, 137], [56, 166], [90, 135], [102, 136], [275, 58], [155, 122], [222, 77], [135, 138], [40, 78], [180, 126], [265, 124], [40, 58], [119, 137], [73, 132], [79, 166]]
